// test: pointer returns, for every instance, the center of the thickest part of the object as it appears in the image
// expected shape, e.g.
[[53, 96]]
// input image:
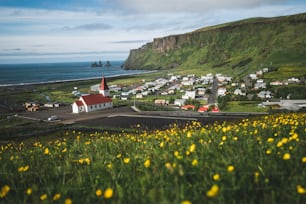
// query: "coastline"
[[117, 76]]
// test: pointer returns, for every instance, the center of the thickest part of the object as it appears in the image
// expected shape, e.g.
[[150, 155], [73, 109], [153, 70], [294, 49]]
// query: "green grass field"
[[261, 160]]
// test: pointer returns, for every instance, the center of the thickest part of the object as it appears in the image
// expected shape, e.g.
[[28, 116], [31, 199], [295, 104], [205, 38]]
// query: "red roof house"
[[92, 102], [188, 107], [203, 109]]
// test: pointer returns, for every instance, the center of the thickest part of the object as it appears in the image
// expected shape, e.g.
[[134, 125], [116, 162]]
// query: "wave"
[[72, 80]]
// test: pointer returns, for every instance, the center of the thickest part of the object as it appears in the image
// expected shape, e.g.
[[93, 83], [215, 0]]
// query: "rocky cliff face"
[[230, 46]]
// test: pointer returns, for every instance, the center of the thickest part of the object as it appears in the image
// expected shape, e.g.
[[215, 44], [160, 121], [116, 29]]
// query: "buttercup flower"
[[300, 189], [186, 202], [126, 160], [230, 168], [213, 192], [286, 156], [98, 192], [68, 201], [147, 163], [108, 193], [216, 177], [57, 196], [43, 197]]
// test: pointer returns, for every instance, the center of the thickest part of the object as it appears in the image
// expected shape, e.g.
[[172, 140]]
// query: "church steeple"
[[104, 90]]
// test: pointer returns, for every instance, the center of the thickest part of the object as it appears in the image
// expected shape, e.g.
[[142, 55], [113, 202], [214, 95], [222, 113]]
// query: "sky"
[[91, 30]]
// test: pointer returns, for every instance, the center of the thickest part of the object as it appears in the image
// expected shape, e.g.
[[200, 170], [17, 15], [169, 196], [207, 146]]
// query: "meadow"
[[258, 160]]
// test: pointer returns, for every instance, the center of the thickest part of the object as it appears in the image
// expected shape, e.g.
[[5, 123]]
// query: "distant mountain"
[[235, 48]]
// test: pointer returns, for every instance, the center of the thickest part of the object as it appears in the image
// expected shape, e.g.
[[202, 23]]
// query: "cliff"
[[233, 47]]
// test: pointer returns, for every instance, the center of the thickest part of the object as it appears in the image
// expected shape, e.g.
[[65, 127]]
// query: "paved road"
[[213, 96], [125, 117]]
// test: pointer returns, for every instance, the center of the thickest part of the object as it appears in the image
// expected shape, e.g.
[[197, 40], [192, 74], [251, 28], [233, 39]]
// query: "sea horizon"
[[54, 72]]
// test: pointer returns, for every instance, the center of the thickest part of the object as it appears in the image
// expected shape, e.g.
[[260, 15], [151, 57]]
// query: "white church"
[[94, 102]]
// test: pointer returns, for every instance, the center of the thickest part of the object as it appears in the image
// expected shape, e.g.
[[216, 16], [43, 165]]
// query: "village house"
[[253, 76], [161, 102], [179, 102], [221, 91], [276, 83], [94, 102], [189, 95], [239, 92], [265, 94]]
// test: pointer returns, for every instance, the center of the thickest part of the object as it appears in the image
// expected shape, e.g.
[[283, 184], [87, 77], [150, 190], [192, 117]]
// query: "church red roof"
[[103, 85], [94, 99], [79, 103]]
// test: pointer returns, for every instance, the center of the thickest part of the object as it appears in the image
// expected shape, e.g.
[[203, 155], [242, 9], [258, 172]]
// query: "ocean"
[[23, 74]]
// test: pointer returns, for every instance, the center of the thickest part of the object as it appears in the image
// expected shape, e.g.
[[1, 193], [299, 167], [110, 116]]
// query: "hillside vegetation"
[[235, 48]]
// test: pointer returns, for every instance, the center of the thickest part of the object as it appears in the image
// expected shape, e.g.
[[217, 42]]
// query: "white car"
[[53, 118]]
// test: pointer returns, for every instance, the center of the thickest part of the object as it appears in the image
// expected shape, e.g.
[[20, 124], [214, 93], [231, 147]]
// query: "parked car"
[[53, 118]]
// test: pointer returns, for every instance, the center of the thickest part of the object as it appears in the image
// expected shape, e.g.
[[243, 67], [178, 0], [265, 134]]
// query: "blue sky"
[[88, 30]]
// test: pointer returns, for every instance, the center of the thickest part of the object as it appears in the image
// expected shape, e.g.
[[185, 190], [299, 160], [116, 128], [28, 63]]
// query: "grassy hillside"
[[253, 161], [235, 48]]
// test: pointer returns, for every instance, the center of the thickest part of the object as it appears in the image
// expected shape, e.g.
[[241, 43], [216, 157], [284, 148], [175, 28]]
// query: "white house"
[[179, 102], [94, 102], [189, 95], [276, 83], [264, 94], [239, 92], [221, 91], [91, 102], [187, 82], [253, 76]]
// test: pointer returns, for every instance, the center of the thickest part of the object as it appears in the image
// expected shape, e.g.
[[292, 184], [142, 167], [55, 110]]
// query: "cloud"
[[89, 27], [191, 5]]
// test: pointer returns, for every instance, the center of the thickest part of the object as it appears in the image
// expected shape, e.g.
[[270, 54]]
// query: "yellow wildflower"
[[147, 163], [192, 148], [43, 197], [230, 168], [268, 151], [270, 140], [256, 175], [98, 192], [295, 136], [57, 196], [300, 189], [216, 177], [213, 191], [126, 160], [68, 201], [29, 191], [169, 167], [189, 134], [186, 202], [4, 191], [108, 193], [304, 159], [286, 156], [194, 162], [46, 152]]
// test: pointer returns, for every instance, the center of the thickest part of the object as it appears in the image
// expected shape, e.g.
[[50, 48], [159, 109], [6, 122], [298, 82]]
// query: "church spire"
[[104, 90]]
